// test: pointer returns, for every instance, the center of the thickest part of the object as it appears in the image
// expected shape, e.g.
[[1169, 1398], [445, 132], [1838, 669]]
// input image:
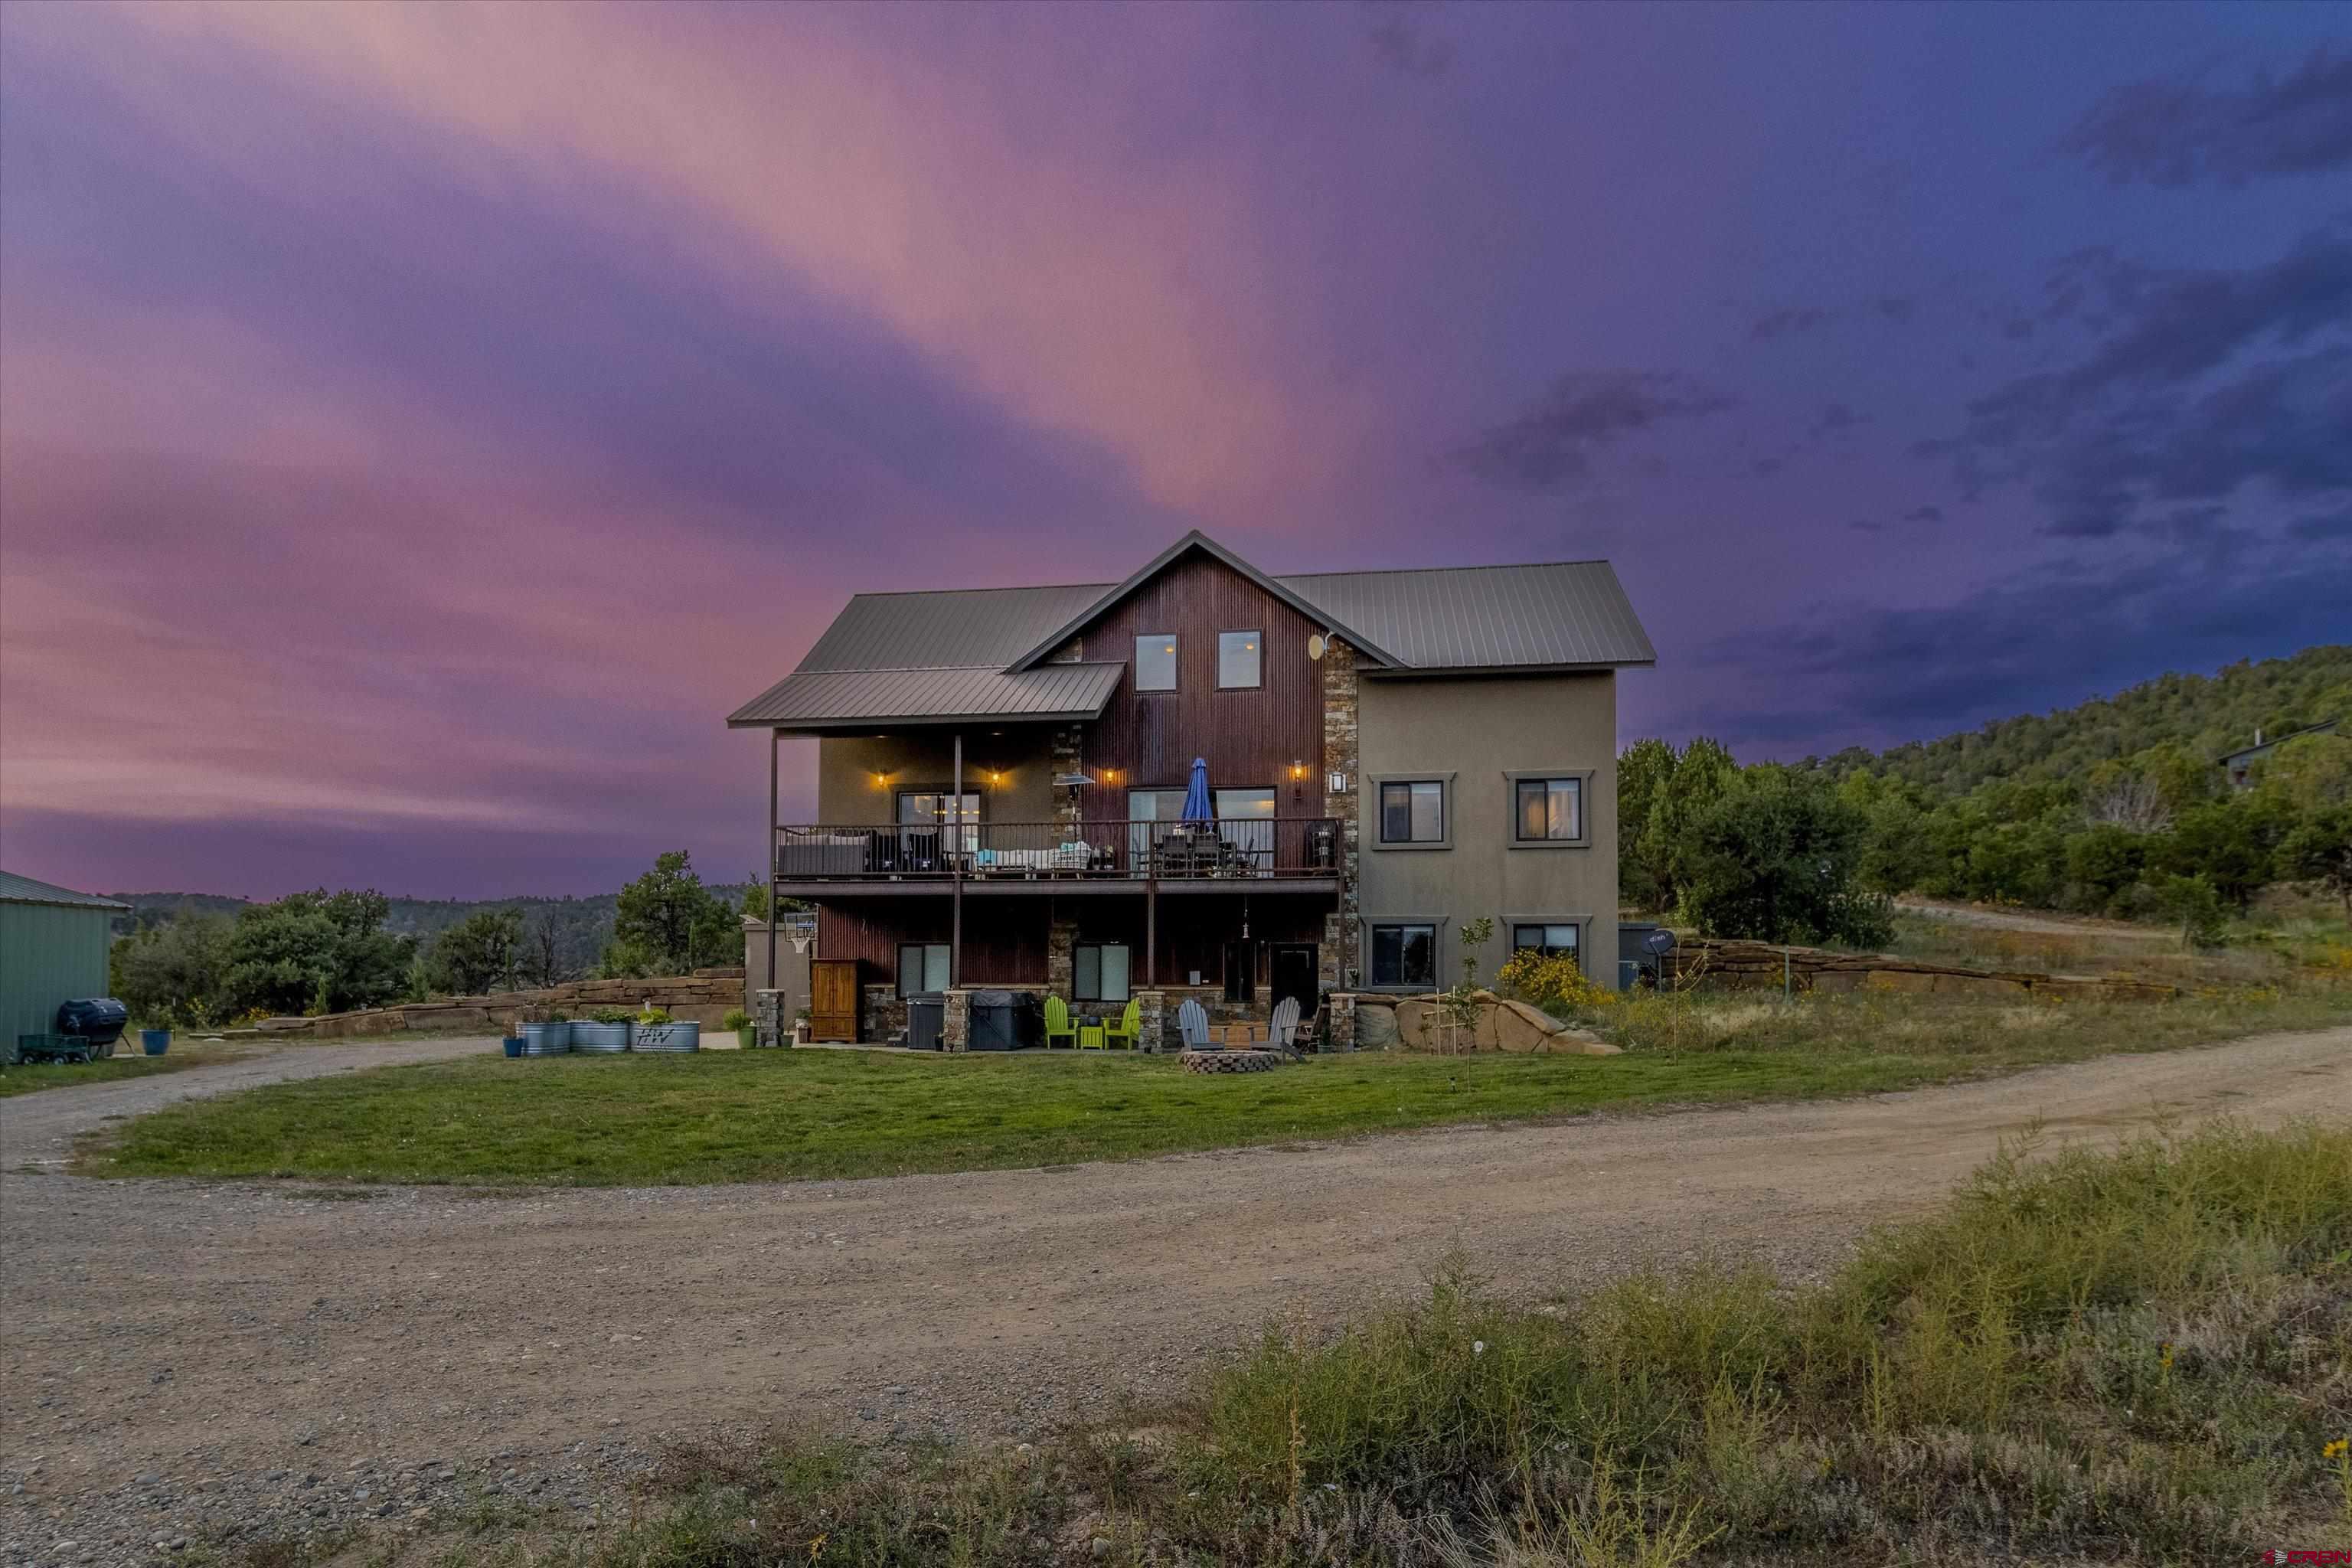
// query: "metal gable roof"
[[975, 653], [987, 627], [1201, 541], [15, 889], [850, 699], [1553, 613]]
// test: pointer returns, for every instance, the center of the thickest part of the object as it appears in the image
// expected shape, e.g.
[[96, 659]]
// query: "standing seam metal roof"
[[15, 889], [1472, 617], [943, 655]]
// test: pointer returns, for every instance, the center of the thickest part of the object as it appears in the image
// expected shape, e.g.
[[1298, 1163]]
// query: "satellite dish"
[[1659, 942], [1315, 645]]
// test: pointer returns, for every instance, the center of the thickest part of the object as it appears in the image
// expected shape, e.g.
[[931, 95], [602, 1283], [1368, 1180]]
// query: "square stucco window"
[[1548, 810], [1413, 813], [1551, 940], [1155, 662], [1239, 656], [1404, 955]]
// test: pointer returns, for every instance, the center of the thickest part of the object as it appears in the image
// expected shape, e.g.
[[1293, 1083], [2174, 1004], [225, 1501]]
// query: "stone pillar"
[[1061, 939], [768, 1015], [1151, 1021], [1342, 962], [1343, 1021], [956, 1034]]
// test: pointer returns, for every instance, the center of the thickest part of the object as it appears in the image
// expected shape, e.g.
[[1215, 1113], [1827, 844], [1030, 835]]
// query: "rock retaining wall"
[[1758, 966], [705, 997]]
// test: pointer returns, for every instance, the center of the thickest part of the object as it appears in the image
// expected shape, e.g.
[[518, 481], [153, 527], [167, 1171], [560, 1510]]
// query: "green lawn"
[[791, 1115]]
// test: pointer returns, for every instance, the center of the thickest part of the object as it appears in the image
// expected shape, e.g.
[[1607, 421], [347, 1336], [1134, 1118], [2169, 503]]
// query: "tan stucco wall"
[[848, 793], [793, 968], [1480, 731]]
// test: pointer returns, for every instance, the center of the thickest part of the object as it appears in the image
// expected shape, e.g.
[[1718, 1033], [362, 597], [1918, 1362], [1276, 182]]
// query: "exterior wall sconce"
[[881, 779], [1297, 780], [1339, 783]]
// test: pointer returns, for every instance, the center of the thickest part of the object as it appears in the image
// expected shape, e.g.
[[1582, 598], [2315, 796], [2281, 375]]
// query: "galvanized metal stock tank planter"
[[587, 1036], [546, 1039], [672, 1036]]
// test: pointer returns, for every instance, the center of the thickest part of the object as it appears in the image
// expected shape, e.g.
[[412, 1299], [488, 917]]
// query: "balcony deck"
[[1267, 855]]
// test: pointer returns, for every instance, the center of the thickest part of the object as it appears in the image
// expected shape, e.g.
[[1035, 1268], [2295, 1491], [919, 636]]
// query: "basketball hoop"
[[799, 945]]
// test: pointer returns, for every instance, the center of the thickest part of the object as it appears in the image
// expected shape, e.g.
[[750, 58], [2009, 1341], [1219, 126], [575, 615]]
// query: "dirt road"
[[1985, 919], [313, 1359]]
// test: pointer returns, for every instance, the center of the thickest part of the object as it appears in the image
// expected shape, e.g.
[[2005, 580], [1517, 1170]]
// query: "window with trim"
[[1239, 656], [1404, 955], [1548, 810], [922, 966], [1413, 812], [1099, 971], [1155, 662], [1553, 939]]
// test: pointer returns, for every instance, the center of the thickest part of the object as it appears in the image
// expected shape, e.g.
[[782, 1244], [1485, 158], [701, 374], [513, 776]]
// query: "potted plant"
[[657, 1031], [604, 1030], [747, 1033], [545, 1031], [155, 1042], [801, 1026], [513, 1044]]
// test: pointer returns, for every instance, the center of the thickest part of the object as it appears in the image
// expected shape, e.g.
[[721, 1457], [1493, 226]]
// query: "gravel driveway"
[[186, 1360]]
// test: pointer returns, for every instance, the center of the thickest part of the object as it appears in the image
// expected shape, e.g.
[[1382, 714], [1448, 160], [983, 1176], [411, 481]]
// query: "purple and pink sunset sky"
[[420, 425]]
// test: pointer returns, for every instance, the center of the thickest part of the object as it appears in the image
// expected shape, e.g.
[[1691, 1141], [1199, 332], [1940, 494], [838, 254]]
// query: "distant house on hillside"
[[2239, 764]]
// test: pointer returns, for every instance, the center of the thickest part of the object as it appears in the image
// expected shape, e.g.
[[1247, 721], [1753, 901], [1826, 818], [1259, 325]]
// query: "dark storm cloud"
[[2038, 639], [1401, 46], [1837, 417], [1555, 441], [2177, 132], [1788, 321], [2196, 383]]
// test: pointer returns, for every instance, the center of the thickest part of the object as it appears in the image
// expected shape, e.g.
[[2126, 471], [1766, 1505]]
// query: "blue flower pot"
[[155, 1041], [514, 1044]]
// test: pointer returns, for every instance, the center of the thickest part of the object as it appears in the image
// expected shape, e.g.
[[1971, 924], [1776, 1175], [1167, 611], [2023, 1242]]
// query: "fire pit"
[[1231, 1059]]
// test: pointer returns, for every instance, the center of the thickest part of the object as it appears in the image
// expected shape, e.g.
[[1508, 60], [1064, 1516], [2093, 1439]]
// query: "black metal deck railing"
[[1253, 846]]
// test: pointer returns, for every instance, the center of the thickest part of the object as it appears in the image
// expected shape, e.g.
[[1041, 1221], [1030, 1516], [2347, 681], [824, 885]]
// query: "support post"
[[1150, 930], [768, 858], [955, 870]]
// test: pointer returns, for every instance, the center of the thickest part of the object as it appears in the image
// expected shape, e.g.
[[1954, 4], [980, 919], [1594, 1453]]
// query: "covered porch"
[[1238, 954]]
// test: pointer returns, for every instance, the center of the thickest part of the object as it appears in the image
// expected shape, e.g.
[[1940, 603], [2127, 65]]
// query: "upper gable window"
[[1238, 657], [1155, 662]]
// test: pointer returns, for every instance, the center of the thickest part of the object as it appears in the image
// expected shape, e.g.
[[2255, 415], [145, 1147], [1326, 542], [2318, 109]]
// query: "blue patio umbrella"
[[1196, 794]]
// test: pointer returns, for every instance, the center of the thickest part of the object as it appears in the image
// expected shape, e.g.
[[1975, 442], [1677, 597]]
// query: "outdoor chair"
[[1129, 1025], [1286, 1023], [1192, 1022], [1057, 1023]]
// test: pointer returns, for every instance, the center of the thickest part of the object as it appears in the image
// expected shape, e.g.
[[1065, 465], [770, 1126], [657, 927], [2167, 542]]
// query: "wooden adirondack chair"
[[1286, 1023], [1057, 1023], [1192, 1022], [1129, 1025]]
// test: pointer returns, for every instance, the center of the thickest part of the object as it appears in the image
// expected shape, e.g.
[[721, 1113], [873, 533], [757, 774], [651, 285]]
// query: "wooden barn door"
[[833, 999]]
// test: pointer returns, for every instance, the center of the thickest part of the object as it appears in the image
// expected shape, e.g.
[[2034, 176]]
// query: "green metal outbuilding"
[[53, 948]]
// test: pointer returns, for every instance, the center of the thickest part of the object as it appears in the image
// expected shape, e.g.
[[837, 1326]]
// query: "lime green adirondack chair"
[[1057, 1023], [1130, 1023]]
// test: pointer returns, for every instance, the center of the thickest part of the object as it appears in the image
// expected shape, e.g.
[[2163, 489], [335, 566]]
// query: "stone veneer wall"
[[886, 1015], [1341, 965]]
